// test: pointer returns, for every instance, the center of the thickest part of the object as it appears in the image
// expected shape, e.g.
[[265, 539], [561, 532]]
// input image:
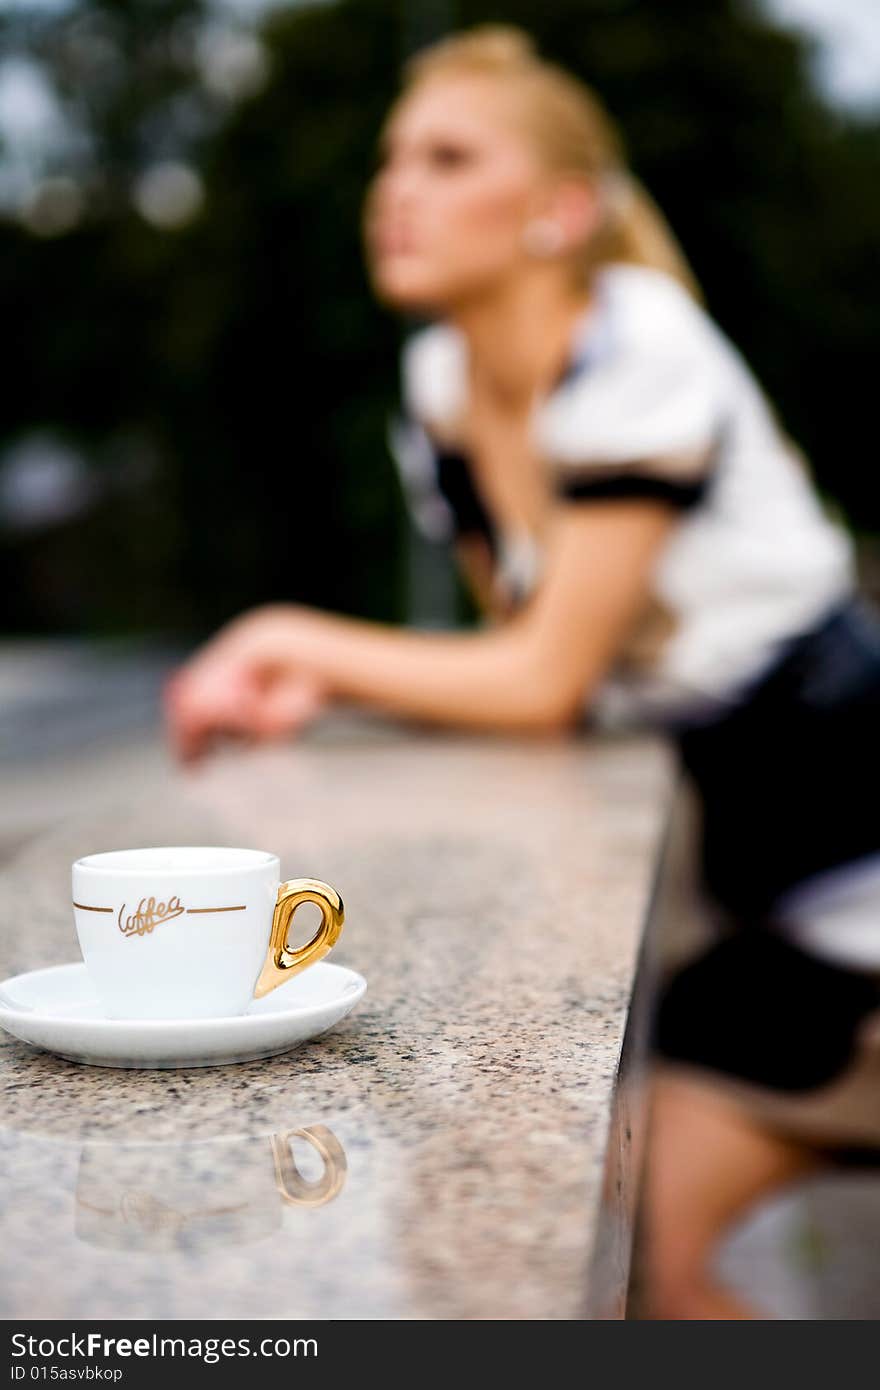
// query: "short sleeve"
[[641, 414]]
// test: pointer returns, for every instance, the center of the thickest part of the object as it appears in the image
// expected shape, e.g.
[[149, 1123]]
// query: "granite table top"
[[444, 1153]]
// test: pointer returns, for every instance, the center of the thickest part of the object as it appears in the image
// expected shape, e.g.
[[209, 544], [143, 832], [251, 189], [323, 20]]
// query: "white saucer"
[[57, 1010]]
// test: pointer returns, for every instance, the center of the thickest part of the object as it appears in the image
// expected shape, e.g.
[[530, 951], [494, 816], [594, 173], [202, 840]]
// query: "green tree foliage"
[[242, 354]]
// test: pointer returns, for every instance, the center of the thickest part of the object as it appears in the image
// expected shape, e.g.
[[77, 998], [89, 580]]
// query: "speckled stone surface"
[[458, 1123]]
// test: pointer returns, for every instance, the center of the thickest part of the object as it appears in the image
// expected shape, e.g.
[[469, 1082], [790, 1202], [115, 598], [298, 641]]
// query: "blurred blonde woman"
[[647, 548]]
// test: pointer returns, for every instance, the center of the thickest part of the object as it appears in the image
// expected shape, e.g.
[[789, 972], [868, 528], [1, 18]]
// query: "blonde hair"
[[573, 133]]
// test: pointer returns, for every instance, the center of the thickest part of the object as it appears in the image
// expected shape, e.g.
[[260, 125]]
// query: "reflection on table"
[[198, 1195]]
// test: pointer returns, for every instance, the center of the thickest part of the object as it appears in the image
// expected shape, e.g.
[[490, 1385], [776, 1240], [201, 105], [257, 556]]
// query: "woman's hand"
[[246, 683]]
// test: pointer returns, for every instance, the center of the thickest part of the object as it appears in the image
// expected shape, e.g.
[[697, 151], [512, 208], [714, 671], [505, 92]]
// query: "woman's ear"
[[573, 204]]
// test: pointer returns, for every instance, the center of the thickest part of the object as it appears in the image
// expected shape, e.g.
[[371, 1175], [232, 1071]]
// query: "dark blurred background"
[[198, 383]]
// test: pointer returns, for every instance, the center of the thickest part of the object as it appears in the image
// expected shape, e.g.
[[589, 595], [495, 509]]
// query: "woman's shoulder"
[[434, 375], [648, 380], [650, 311]]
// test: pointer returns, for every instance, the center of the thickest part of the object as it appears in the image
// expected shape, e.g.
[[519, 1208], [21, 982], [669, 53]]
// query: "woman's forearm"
[[493, 679], [536, 672]]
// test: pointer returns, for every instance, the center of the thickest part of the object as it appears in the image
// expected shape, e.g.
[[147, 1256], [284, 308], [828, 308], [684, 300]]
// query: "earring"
[[543, 238]]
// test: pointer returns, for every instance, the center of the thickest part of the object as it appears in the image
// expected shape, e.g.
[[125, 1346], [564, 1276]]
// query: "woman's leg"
[[707, 1163]]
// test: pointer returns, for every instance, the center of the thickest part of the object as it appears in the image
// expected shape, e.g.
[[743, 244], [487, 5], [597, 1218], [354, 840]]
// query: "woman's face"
[[457, 184]]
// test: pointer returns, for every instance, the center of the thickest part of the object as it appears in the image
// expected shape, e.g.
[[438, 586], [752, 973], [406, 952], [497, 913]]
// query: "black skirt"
[[787, 782]]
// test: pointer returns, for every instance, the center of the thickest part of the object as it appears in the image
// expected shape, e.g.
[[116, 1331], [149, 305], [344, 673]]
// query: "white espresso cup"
[[193, 932]]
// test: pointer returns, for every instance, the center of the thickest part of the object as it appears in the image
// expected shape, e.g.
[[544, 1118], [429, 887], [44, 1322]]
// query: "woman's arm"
[[534, 673]]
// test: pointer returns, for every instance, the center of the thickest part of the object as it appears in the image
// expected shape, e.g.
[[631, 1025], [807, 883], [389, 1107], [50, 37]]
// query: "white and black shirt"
[[654, 403]]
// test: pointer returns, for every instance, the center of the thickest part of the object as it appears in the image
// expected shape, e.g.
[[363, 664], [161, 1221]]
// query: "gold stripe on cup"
[[84, 907], [241, 908]]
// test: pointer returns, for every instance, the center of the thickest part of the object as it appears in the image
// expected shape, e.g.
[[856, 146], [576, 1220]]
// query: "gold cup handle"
[[282, 964]]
